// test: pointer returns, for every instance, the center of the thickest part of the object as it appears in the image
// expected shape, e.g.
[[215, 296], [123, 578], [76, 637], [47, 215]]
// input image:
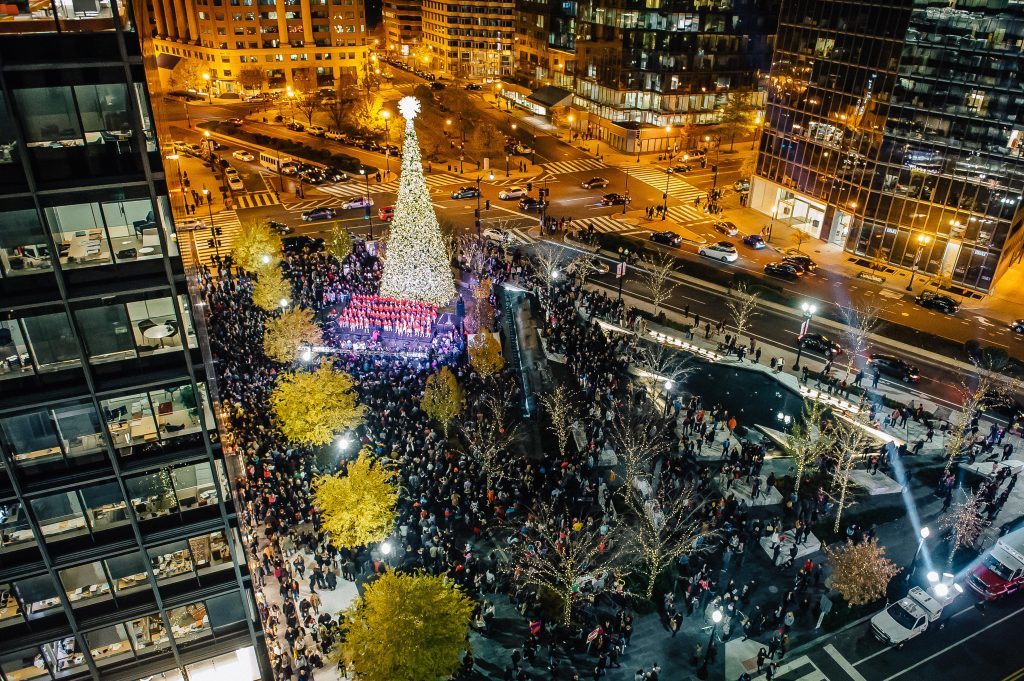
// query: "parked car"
[[318, 214], [466, 192], [695, 155], [894, 366], [741, 186], [336, 136], [755, 241], [723, 250], [805, 260], [595, 183], [243, 155], [819, 343], [386, 213], [522, 149], [782, 270], [511, 193], [679, 168], [531, 204], [228, 170], [279, 228], [727, 228], [937, 301], [316, 130], [795, 264], [667, 238], [235, 183], [614, 200], [473, 86], [296, 126], [186, 148], [358, 202]]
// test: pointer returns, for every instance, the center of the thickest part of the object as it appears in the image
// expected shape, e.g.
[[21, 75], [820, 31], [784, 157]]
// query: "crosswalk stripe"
[[559, 167], [677, 188], [256, 200], [523, 236], [602, 223], [230, 226], [355, 188]]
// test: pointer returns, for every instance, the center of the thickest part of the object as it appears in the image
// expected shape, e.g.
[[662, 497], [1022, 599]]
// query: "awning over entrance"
[[549, 96], [166, 61]]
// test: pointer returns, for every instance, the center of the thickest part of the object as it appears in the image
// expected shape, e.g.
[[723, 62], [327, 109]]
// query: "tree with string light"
[[285, 335], [808, 441], [442, 398], [561, 412], [860, 572], [964, 523], [416, 263]]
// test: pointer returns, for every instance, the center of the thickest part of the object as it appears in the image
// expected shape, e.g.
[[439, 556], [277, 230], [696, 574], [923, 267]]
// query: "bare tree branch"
[[656, 275]]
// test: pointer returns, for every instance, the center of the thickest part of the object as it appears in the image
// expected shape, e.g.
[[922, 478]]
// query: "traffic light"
[[529, 186], [714, 167], [476, 213], [487, 203], [367, 216]]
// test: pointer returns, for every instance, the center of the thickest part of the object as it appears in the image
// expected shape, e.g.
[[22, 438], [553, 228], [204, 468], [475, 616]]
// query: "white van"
[[281, 164]]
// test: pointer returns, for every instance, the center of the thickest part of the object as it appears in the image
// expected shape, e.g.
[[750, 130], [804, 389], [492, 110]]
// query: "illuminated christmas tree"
[[416, 265]]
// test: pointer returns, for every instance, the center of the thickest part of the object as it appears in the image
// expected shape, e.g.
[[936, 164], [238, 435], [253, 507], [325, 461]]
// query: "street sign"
[[620, 270]]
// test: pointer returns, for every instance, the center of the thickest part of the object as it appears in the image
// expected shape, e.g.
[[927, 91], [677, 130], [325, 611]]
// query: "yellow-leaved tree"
[[442, 398], [270, 290], [358, 508], [860, 572], [311, 408], [485, 354], [338, 242], [256, 247], [406, 628], [285, 335]]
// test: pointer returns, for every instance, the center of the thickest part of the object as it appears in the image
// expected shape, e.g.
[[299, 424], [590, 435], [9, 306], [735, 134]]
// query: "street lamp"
[[623, 256], [177, 163], [209, 88], [771, 225], [809, 309], [213, 231], [291, 104], [571, 119], [924, 533], [625, 191], [922, 241], [387, 140], [369, 214], [478, 193], [716, 618]]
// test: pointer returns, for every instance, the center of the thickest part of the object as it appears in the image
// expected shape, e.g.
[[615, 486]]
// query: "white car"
[[316, 130], [495, 235], [190, 224], [334, 135], [723, 250], [511, 193], [229, 171], [235, 182], [358, 202], [243, 155]]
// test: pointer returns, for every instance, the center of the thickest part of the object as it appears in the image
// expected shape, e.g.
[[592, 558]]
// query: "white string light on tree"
[[416, 265]]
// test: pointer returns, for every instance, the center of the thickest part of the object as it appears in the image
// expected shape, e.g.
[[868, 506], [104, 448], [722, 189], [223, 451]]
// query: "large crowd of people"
[[454, 516]]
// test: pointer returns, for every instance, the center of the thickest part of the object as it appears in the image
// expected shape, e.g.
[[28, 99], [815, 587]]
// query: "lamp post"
[[771, 224], [924, 534], [922, 241], [209, 88], [808, 309], [571, 120], [625, 191], [213, 231], [386, 115], [716, 618], [291, 105], [623, 256], [369, 214], [177, 163], [478, 193], [668, 394]]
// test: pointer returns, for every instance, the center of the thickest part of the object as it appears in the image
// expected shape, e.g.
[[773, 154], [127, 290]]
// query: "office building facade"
[[120, 554], [403, 26], [545, 39], [468, 38], [250, 45], [893, 130], [644, 66]]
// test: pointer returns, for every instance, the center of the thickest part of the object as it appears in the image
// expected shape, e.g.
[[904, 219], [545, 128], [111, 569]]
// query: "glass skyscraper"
[[893, 130], [120, 556]]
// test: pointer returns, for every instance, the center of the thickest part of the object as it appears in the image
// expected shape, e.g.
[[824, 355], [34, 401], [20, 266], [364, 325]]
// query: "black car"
[[795, 264], [298, 244], [296, 126], [679, 168], [896, 367], [595, 183], [803, 260], [667, 238], [1017, 326], [318, 214], [473, 86], [782, 270], [820, 343], [335, 175], [279, 228], [613, 200], [937, 301], [391, 149], [315, 176], [437, 86], [530, 203], [466, 193]]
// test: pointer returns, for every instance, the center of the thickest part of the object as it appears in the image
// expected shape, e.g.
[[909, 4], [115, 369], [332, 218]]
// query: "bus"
[[268, 160]]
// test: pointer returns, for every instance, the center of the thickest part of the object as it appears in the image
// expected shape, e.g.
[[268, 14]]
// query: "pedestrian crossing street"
[[678, 189], [579, 165], [256, 200], [230, 227]]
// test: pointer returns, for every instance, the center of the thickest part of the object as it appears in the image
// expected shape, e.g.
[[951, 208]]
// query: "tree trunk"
[[839, 508]]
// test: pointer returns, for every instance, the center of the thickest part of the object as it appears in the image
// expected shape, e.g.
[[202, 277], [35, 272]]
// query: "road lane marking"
[[843, 663], [953, 645]]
